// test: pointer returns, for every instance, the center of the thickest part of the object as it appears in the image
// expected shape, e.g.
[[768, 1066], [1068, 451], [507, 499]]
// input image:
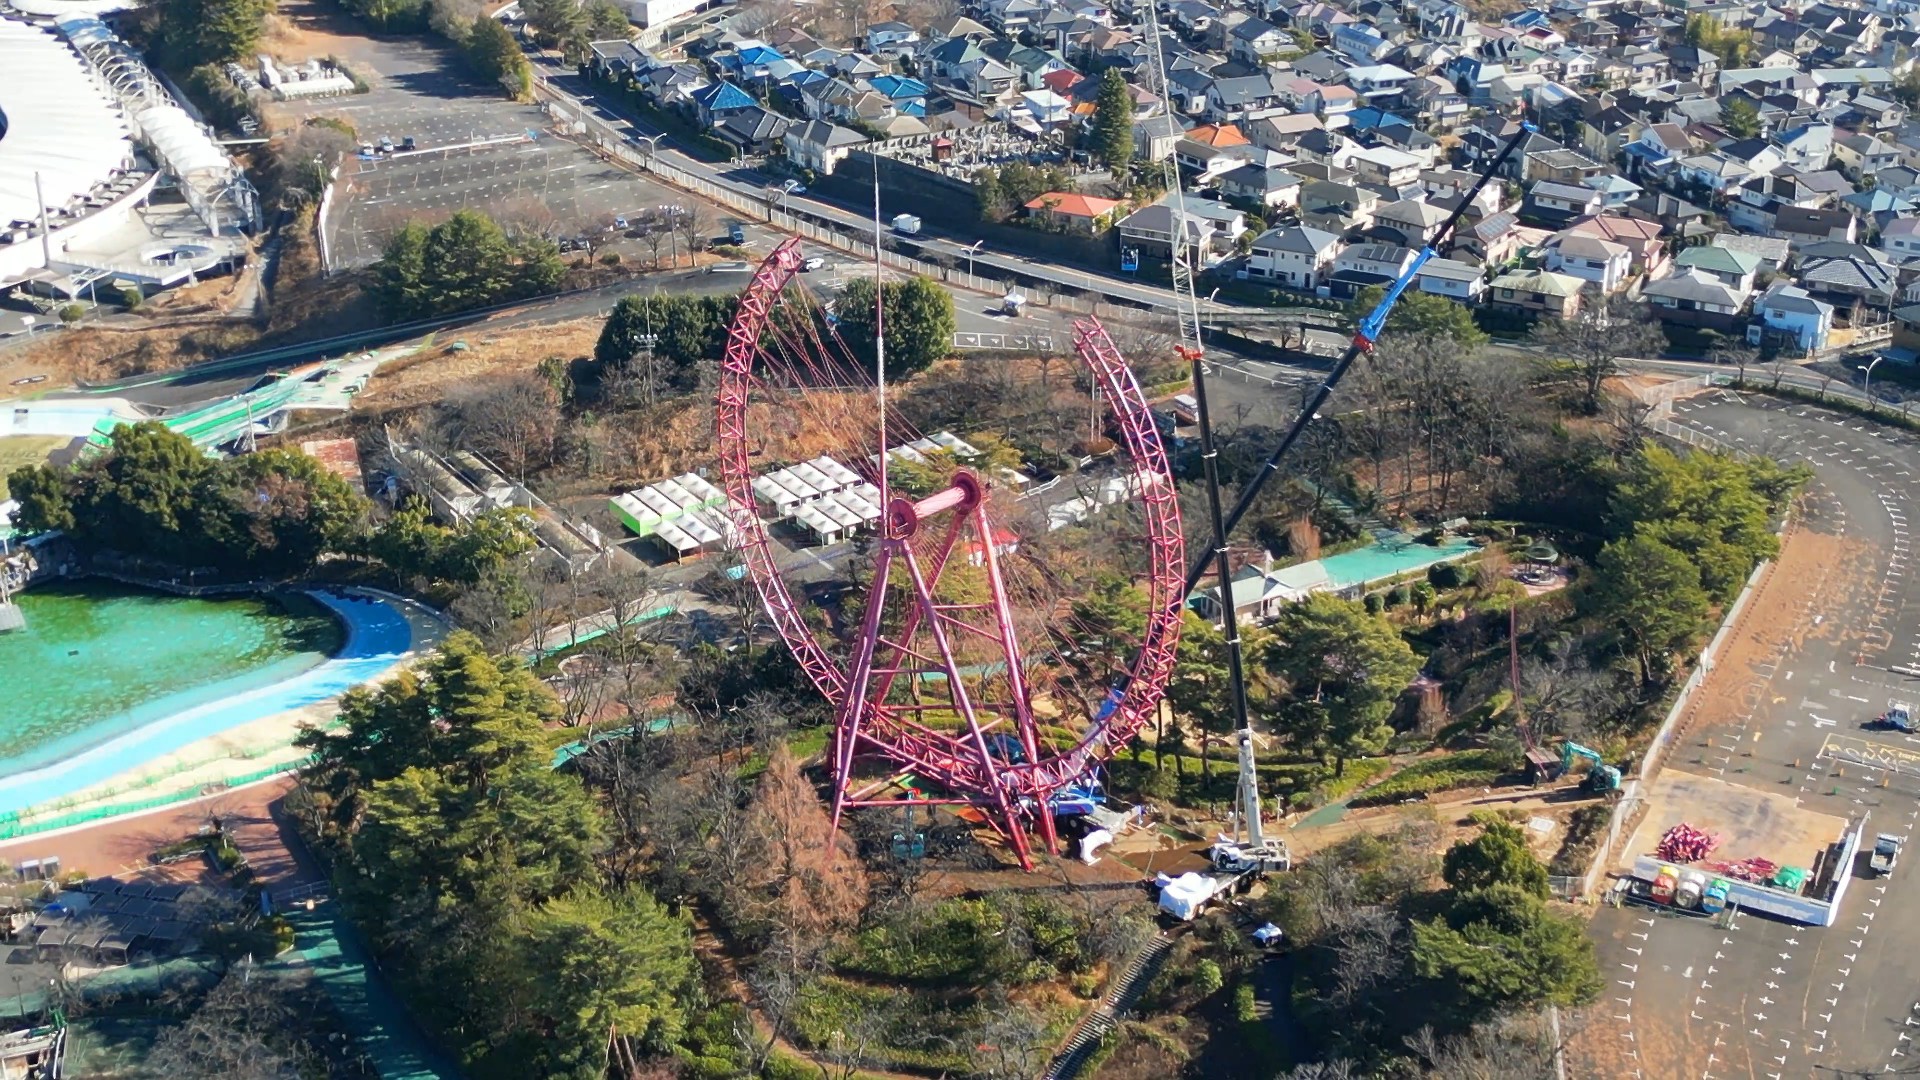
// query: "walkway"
[[327, 944]]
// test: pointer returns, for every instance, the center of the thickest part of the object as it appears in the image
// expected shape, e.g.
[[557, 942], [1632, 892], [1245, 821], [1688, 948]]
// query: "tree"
[[1713, 508], [988, 193], [496, 56], [1423, 316], [1342, 670], [1500, 949], [1498, 856], [245, 1028], [1112, 131], [610, 961], [517, 421], [1650, 593], [281, 510], [802, 882], [1740, 116], [919, 324], [1596, 339], [45, 501], [1907, 88], [1735, 353], [1198, 688], [464, 262], [555, 22], [195, 32]]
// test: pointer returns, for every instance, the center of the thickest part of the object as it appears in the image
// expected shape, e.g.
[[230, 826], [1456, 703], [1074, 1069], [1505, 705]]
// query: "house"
[[1557, 204], [892, 38], [1383, 166], [1336, 206], [1362, 265], [1861, 156], [1771, 252], [1734, 269], [1211, 149], [1071, 211], [720, 100], [1210, 231], [1901, 238], [819, 145], [1695, 298], [1265, 185], [1538, 292], [1279, 133], [1848, 274], [1786, 312], [1455, 280], [754, 131], [1603, 263], [1409, 222], [1295, 256], [1155, 137], [1255, 41], [1799, 226], [1492, 241], [1379, 83]]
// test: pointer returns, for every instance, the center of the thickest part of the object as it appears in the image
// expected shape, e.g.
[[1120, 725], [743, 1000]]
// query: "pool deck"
[[236, 736]]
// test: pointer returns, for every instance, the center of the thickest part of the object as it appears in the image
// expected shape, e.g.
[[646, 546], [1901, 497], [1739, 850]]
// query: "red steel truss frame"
[[917, 541]]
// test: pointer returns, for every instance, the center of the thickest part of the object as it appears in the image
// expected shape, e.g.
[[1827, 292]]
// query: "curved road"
[[1765, 999]]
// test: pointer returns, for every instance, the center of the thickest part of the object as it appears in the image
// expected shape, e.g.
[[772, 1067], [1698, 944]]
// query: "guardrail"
[[1008, 342]]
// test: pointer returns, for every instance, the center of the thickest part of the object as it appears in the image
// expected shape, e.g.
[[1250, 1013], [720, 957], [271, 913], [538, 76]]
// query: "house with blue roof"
[[719, 101], [1368, 117]]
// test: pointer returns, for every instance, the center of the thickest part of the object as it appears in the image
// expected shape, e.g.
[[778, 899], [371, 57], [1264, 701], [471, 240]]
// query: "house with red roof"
[[1074, 212]]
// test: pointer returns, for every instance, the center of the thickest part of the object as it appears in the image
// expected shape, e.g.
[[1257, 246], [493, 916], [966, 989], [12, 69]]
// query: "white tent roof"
[[60, 123]]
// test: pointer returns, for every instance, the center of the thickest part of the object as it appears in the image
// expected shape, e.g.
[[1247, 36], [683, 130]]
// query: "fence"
[[12, 828]]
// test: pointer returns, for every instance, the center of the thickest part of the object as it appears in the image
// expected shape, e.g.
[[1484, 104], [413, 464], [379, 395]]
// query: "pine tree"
[[1113, 122]]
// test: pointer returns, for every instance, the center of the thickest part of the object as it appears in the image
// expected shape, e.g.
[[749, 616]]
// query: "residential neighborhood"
[[1322, 142]]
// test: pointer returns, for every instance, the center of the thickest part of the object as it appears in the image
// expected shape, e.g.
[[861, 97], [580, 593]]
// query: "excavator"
[[1601, 778]]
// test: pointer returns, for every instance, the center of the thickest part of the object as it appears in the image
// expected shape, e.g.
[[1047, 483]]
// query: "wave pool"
[[107, 678]]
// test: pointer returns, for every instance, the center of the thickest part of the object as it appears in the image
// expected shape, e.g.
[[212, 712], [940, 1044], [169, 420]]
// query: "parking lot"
[[524, 176], [1791, 717]]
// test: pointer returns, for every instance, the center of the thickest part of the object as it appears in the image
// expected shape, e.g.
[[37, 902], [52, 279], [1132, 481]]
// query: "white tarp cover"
[[1184, 896], [1091, 844], [60, 123]]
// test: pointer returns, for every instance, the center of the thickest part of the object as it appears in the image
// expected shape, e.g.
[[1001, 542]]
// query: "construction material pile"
[[1683, 844], [1756, 871]]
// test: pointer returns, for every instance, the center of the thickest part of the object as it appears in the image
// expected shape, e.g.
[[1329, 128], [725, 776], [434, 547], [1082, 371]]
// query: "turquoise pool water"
[[1388, 558], [153, 674], [98, 658]]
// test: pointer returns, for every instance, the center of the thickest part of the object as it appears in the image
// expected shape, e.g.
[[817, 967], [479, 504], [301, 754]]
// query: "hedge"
[[1449, 772]]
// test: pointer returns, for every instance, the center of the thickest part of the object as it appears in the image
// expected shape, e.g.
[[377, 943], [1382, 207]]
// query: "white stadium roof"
[[60, 123]]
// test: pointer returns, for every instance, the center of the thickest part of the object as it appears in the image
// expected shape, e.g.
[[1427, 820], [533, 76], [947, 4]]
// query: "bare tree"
[[1500, 1051], [1736, 354], [516, 421], [655, 237], [1597, 338], [240, 1031], [692, 223], [1011, 1044]]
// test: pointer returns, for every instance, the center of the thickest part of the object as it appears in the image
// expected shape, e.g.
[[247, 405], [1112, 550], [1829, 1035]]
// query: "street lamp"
[[653, 143], [1866, 383], [971, 252]]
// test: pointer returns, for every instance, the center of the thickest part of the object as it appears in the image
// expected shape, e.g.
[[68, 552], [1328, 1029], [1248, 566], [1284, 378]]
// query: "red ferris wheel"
[[966, 674]]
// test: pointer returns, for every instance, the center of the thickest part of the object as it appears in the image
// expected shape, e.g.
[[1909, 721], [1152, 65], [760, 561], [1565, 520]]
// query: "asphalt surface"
[[1765, 998]]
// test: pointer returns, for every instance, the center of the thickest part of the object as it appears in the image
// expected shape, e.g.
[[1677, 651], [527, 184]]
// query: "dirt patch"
[[1810, 563], [1749, 823], [99, 353], [436, 370]]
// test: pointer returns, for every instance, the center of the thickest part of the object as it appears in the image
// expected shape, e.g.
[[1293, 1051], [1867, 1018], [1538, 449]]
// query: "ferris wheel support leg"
[[846, 727], [963, 704], [1017, 687]]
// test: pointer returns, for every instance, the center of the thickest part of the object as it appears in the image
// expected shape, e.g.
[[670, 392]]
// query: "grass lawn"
[[18, 450]]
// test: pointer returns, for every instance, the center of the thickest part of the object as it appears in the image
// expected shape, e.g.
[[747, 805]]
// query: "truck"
[[1229, 857], [1012, 303], [906, 225], [1898, 717], [1885, 855]]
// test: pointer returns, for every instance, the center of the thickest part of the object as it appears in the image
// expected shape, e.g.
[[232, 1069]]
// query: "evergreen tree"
[[1113, 122], [919, 324], [1343, 669]]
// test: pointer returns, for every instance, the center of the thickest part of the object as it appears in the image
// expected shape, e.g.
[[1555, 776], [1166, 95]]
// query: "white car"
[[813, 262]]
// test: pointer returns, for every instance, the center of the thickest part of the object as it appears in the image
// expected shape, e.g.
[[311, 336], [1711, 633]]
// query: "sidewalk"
[[326, 944]]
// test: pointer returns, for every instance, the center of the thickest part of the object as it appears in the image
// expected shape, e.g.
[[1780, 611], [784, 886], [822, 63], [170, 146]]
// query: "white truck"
[[1235, 868], [906, 225], [1885, 855]]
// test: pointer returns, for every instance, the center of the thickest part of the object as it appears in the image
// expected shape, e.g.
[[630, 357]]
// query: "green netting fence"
[[11, 825]]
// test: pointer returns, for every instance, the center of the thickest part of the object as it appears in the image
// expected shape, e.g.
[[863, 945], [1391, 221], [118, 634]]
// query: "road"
[[573, 89], [1763, 998]]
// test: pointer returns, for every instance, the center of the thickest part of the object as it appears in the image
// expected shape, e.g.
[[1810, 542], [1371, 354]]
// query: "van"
[[736, 235], [729, 268]]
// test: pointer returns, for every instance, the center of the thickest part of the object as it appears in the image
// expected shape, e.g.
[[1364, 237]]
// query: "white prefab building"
[[686, 513]]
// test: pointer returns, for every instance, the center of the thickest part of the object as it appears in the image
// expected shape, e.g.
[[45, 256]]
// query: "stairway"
[[1120, 998]]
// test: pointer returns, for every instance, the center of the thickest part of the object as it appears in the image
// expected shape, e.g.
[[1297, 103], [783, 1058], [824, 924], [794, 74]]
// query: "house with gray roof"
[[1296, 256]]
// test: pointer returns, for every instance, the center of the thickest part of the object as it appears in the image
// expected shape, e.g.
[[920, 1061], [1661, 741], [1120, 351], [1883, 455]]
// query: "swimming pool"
[[1389, 557], [377, 635]]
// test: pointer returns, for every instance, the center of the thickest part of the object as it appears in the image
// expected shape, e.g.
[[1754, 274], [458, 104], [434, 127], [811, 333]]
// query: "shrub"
[[72, 313], [1243, 1004], [1375, 603], [1467, 768], [1585, 828], [611, 258], [1207, 978], [1401, 596], [131, 298], [1448, 575]]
